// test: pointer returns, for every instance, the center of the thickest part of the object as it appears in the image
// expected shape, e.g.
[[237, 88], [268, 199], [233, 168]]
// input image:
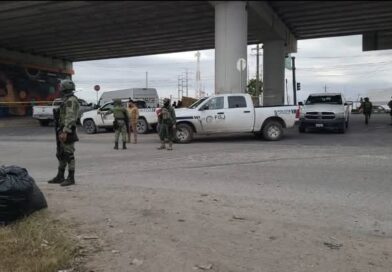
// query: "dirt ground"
[[314, 202], [139, 229]]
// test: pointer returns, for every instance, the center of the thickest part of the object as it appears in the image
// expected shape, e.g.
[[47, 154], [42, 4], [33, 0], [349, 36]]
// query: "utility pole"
[[258, 87], [198, 78], [325, 88], [186, 78], [294, 83], [179, 87]]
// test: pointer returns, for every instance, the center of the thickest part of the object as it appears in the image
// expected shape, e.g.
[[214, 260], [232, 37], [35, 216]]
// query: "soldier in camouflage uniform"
[[121, 119], [167, 124], [66, 134]]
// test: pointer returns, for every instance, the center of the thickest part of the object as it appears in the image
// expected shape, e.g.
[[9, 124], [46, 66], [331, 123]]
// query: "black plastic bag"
[[19, 195]]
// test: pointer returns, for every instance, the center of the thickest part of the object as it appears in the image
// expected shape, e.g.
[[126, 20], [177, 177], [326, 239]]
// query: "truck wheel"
[[184, 133], [89, 126], [141, 126], [273, 131], [44, 123]]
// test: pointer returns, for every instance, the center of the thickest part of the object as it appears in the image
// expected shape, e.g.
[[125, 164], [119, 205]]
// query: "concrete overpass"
[[52, 34]]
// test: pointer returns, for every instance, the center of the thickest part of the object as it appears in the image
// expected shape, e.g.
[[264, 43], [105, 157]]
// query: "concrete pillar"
[[231, 34], [273, 72]]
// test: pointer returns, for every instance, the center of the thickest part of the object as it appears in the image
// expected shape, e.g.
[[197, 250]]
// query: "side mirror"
[[300, 103], [204, 108]]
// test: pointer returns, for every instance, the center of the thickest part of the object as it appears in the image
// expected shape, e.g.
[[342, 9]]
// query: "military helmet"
[[67, 86], [166, 101]]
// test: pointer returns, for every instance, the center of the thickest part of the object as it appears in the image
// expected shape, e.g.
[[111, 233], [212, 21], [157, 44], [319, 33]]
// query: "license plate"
[[319, 125]]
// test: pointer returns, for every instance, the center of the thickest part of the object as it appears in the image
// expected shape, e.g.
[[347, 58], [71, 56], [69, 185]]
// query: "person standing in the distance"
[[366, 108], [390, 109], [167, 124], [134, 116], [66, 134], [121, 118]]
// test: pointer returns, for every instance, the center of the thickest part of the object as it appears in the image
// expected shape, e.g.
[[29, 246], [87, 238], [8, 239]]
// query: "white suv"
[[325, 110]]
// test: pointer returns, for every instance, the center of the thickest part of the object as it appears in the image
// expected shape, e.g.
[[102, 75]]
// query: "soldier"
[[66, 135], [366, 107], [167, 124], [121, 119]]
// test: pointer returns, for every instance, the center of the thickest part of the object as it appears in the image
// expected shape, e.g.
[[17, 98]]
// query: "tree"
[[251, 88]]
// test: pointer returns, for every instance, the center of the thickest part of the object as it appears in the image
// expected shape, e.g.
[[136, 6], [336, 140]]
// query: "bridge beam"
[[37, 62]]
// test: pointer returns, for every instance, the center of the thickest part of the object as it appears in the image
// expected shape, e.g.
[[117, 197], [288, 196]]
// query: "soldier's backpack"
[[19, 195]]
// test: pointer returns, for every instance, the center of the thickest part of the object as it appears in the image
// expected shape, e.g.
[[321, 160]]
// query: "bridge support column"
[[273, 72], [231, 34]]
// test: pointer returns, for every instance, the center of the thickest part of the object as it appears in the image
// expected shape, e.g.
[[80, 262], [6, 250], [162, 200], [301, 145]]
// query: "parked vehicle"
[[149, 95], [325, 110], [95, 119], [44, 114], [232, 113], [380, 109]]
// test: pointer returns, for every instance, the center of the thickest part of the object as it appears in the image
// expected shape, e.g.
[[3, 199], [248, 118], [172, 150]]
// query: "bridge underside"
[[87, 30]]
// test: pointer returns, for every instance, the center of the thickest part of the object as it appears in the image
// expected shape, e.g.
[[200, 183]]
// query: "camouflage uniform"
[[121, 119], [68, 114], [167, 122], [367, 107]]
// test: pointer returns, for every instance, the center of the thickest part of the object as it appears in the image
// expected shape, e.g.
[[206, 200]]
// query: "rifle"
[[59, 150]]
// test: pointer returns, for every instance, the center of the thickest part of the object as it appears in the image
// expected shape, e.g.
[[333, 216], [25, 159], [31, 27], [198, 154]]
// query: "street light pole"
[[294, 83]]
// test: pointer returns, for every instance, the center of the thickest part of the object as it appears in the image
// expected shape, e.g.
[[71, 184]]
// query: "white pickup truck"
[[325, 110], [44, 114], [232, 113], [95, 119]]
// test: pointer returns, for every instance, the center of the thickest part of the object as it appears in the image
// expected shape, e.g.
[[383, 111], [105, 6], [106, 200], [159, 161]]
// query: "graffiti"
[[22, 88]]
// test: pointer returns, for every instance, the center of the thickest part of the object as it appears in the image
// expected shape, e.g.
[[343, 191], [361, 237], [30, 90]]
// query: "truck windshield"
[[197, 103], [324, 99]]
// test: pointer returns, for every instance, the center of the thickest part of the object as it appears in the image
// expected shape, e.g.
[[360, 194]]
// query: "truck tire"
[[89, 126], [141, 126], [273, 131], [44, 123], [184, 134]]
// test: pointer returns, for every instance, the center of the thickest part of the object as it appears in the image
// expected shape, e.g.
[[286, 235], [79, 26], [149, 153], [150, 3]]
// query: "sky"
[[335, 64]]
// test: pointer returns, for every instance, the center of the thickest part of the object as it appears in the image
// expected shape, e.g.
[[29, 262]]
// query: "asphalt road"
[[342, 181]]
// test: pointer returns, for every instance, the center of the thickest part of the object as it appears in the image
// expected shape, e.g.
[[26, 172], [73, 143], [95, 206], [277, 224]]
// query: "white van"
[[149, 95]]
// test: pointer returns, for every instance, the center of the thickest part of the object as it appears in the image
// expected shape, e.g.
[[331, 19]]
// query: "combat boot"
[[170, 147], [162, 145], [59, 178], [115, 145], [124, 145], [70, 179]]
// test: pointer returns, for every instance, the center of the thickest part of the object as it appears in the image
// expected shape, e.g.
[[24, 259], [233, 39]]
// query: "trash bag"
[[19, 195]]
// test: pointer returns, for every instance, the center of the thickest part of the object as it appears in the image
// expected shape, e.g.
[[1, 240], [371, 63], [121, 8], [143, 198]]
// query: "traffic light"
[[298, 86]]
